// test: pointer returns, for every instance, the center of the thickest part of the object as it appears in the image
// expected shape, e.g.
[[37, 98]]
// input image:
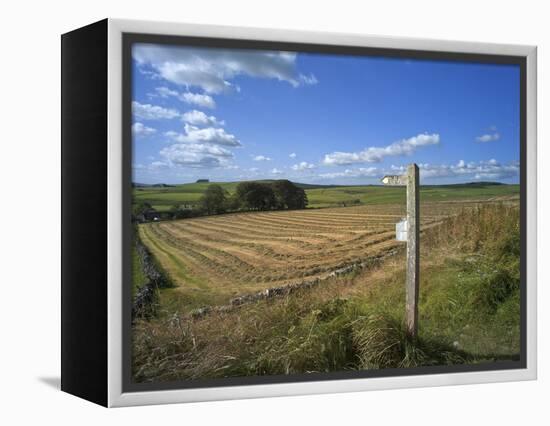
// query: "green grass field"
[[162, 198]]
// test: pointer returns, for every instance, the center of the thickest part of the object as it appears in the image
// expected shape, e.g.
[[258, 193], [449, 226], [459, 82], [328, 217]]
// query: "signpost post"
[[411, 181]]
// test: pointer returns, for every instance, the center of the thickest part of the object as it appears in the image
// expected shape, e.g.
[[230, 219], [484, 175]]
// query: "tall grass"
[[469, 313]]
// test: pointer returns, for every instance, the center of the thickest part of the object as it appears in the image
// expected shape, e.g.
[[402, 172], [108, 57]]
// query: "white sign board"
[[394, 180], [401, 229]]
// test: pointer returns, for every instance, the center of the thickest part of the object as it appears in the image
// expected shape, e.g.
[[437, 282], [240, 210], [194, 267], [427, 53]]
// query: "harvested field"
[[212, 259]]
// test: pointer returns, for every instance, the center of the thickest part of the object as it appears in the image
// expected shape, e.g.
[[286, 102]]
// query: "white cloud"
[[253, 169], [158, 165], [152, 112], [199, 148], [310, 79], [199, 118], [377, 154], [209, 135], [196, 155], [276, 171], [261, 158], [205, 101], [213, 69], [154, 166], [303, 166], [150, 74], [360, 172], [462, 171], [139, 129], [491, 169], [293, 155], [489, 137], [165, 92]]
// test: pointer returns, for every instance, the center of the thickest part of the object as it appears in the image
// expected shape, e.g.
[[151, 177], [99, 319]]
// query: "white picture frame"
[[116, 395]]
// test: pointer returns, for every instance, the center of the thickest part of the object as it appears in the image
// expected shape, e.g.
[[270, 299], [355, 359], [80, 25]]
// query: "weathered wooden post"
[[412, 229], [413, 249]]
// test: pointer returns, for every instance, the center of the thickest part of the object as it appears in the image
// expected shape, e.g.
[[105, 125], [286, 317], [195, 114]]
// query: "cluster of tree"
[[259, 196], [278, 195]]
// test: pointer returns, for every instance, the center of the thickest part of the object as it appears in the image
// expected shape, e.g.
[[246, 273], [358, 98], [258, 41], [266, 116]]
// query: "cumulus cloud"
[[488, 137], [461, 171], [201, 100], [153, 112], [261, 158], [377, 154], [199, 118], [276, 171], [488, 170], [208, 135], [213, 69], [199, 147], [165, 92], [293, 155], [139, 129], [360, 172], [300, 167], [195, 155], [205, 101]]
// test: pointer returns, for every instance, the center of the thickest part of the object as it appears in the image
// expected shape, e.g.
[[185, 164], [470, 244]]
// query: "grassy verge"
[[469, 313]]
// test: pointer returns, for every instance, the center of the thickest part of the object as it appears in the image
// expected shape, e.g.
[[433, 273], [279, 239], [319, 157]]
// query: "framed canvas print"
[[251, 213]]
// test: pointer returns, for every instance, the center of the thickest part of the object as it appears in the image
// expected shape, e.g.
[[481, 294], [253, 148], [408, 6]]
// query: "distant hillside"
[[154, 185], [202, 183], [468, 185], [163, 196], [205, 182]]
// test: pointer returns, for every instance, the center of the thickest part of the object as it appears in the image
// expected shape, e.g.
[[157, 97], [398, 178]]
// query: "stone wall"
[[269, 293], [145, 300]]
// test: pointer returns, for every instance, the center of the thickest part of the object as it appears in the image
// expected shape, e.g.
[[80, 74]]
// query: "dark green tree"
[[213, 201], [255, 196], [288, 195], [233, 202], [180, 212], [140, 208]]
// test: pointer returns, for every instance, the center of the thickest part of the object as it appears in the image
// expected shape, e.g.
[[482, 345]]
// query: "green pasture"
[[162, 198]]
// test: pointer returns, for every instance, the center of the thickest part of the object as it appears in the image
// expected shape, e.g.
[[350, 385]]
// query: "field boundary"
[[144, 300], [273, 292]]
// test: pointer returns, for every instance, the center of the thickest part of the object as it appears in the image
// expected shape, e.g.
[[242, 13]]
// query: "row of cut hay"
[[288, 243], [223, 271], [272, 247], [259, 256]]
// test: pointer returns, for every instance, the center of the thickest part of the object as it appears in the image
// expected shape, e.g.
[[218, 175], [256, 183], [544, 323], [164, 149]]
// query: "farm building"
[[151, 214]]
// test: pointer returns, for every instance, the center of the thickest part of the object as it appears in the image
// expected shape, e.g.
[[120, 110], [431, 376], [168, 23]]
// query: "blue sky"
[[230, 115]]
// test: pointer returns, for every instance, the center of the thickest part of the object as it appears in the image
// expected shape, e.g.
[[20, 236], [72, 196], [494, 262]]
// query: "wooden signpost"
[[411, 180]]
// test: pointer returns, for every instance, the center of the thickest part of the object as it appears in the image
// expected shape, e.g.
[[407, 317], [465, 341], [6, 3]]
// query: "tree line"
[[253, 196], [248, 196]]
